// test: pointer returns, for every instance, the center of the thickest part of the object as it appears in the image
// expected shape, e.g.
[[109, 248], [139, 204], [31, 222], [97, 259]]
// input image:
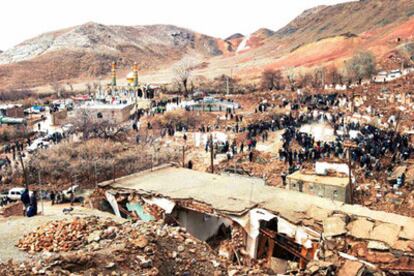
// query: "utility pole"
[[211, 153], [113, 171], [349, 145], [183, 156], [26, 183], [227, 84], [41, 193]]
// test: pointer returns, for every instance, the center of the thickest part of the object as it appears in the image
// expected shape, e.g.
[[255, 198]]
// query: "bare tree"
[[305, 80], [57, 87], [92, 126], [319, 75], [291, 77], [333, 76], [88, 87], [272, 79], [183, 72], [361, 65], [407, 52], [70, 86]]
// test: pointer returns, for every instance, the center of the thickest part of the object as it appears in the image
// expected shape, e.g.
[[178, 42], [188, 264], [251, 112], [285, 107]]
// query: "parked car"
[[37, 144], [16, 193], [75, 189]]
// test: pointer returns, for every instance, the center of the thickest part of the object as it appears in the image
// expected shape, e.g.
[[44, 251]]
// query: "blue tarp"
[[139, 210]]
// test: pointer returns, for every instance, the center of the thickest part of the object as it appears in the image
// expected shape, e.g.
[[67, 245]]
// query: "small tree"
[[319, 75], [271, 79], [291, 77], [91, 126], [305, 80], [57, 88], [88, 87], [333, 76], [183, 72], [361, 65]]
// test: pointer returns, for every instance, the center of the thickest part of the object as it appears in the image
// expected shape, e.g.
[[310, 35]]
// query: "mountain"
[[86, 51], [321, 36]]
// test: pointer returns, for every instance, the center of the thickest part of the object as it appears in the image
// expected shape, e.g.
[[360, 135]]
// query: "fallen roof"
[[227, 193], [320, 179], [236, 195]]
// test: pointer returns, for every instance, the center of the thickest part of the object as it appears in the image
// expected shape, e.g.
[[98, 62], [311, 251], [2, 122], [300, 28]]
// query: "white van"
[[16, 193]]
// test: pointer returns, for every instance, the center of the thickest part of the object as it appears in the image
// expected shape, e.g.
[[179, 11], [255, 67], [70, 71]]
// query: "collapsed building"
[[245, 219]]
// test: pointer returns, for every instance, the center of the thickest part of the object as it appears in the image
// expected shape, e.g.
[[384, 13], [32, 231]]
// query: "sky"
[[24, 19]]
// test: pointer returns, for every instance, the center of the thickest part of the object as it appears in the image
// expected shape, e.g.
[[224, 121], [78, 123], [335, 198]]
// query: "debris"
[[334, 226], [385, 232], [360, 228]]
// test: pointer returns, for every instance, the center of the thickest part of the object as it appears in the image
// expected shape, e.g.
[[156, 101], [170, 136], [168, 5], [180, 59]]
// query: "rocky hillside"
[[87, 50], [320, 36], [323, 36]]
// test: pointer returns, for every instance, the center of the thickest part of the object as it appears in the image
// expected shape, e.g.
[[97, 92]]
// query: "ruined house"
[[245, 219]]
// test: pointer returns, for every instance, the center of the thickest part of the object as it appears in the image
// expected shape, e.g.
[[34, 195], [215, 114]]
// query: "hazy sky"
[[24, 19]]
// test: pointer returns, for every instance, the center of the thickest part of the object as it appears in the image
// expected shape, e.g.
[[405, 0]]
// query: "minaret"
[[135, 69], [113, 73]]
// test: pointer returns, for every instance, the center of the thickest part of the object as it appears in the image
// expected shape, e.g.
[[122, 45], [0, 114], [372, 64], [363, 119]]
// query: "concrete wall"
[[59, 117], [326, 191], [112, 114], [16, 112], [199, 225]]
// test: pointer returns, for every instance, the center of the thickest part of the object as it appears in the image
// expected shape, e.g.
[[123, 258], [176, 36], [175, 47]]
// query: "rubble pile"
[[65, 235], [91, 246], [264, 166]]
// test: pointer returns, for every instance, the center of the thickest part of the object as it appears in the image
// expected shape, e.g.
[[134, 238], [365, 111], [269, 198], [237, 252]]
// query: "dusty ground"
[[13, 228]]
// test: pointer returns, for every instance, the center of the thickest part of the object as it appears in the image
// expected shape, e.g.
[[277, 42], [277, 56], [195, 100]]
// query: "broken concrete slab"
[[360, 228], [350, 268], [318, 213], [334, 226], [376, 245], [385, 232], [406, 246], [278, 266], [407, 232]]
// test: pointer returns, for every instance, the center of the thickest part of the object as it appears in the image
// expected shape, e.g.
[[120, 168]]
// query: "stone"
[[385, 232], [350, 268], [141, 242], [333, 226], [406, 246], [144, 262], [95, 236], [376, 245], [360, 228]]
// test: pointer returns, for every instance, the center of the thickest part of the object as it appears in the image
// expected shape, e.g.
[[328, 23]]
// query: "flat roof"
[[236, 195], [104, 106], [320, 179], [227, 193]]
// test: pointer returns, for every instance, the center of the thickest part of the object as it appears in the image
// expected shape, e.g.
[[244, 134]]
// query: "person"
[[32, 210], [251, 156], [25, 198], [52, 197], [283, 176], [190, 165]]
